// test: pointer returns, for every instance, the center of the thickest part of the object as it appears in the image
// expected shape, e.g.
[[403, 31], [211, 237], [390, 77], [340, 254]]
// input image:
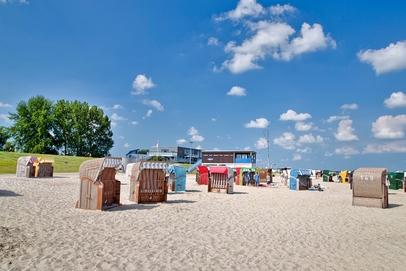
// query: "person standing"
[[256, 178], [285, 176]]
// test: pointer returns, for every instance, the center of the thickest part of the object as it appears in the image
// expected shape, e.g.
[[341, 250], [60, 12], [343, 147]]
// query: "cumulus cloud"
[[181, 141], [141, 83], [391, 58], [117, 106], [236, 91], [287, 141], [398, 146], [262, 143], [126, 145], [5, 105], [149, 113], [196, 137], [335, 118], [328, 154], [271, 39], [292, 115], [309, 138], [346, 151], [389, 127], [345, 132], [244, 8], [349, 106], [296, 157], [134, 123], [154, 104], [258, 123], [213, 41], [305, 150], [396, 99], [117, 117], [213, 119], [279, 10], [301, 126], [113, 124]]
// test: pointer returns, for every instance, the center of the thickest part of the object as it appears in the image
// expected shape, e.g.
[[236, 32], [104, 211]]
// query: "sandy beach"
[[252, 229]]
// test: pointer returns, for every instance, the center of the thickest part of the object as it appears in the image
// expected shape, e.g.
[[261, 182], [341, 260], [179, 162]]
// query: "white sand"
[[252, 229]]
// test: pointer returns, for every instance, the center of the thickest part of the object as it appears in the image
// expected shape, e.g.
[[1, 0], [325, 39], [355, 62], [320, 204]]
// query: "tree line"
[[65, 127]]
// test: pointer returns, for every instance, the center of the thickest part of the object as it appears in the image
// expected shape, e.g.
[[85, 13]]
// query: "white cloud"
[[117, 117], [305, 150], [247, 148], [346, 151], [153, 103], [292, 115], [213, 41], [396, 99], [192, 131], [328, 154], [349, 106], [312, 39], [244, 8], [5, 117], [258, 123], [113, 123], [345, 132], [309, 138], [104, 108], [10, 1], [197, 138], [134, 122], [389, 127], [126, 145], [121, 137], [279, 10], [390, 147], [149, 113], [181, 141], [262, 143], [301, 126], [287, 141], [213, 119], [5, 105], [236, 91], [296, 157], [141, 83], [271, 39], [334, 118], [195, 135], [391, 58], [117, 106]]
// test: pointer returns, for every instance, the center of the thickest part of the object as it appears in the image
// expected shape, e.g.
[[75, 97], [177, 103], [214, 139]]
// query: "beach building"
[[230, 158], [169, 154]]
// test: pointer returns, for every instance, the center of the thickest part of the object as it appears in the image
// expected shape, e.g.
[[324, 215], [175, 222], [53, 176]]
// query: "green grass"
[[62, 164]]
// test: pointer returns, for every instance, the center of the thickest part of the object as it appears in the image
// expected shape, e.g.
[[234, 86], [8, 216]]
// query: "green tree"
[[33, 123], [4, 136], [82, 130]]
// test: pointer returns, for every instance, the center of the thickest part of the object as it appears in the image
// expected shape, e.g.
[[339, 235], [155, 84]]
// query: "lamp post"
[[190, 153]]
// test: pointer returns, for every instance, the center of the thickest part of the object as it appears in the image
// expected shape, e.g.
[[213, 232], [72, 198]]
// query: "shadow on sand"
[[7, 193]]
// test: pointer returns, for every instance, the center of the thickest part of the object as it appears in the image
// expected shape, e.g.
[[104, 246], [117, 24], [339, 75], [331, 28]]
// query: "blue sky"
[[327, 77]]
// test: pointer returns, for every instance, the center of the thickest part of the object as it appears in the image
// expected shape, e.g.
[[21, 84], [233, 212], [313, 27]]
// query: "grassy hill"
[[62, 164]]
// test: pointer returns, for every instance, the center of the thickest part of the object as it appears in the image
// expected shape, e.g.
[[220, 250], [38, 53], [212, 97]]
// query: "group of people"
[[248, 178]]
